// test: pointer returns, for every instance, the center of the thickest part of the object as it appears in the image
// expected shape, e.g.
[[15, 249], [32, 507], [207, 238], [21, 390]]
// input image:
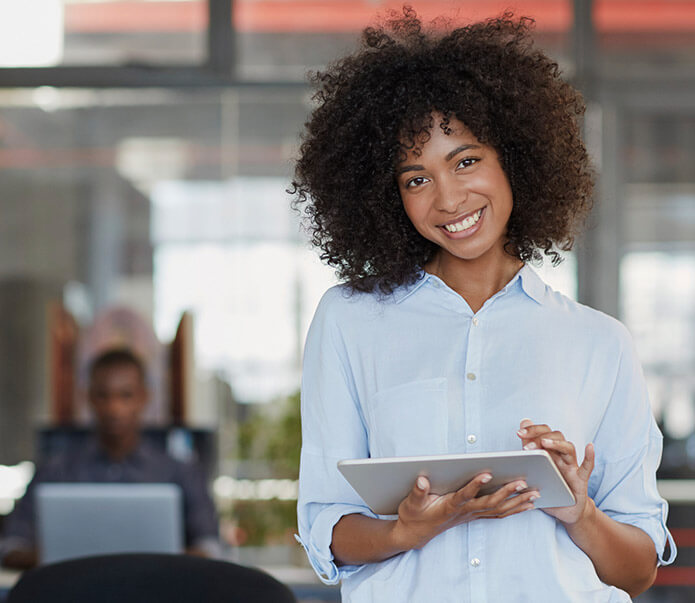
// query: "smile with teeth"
[[464, 224]]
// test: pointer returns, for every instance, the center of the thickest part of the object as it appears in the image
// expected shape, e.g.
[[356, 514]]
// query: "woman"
[[434, 169]]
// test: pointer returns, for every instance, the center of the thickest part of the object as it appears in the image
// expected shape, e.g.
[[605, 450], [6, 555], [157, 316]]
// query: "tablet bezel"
[[384, 482]]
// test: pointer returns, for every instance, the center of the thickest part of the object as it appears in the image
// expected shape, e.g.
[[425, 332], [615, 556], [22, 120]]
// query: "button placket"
[[472, 389], [473, 384]]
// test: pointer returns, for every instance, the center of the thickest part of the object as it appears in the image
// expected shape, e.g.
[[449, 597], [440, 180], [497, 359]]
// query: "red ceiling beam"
[[264, 16], [134, 16], [644, 15], [290, 15]]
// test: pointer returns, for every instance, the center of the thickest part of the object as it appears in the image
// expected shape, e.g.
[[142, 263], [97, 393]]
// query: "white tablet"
[[384, 482]]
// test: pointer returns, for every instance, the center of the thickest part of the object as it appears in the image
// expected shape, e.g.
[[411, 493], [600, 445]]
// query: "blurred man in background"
[[115, 454]]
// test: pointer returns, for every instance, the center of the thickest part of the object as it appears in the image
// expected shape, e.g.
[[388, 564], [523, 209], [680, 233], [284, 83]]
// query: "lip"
[[464, 233], [461, 217]]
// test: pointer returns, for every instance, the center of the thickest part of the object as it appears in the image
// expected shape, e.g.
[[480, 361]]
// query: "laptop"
[[83, 519]]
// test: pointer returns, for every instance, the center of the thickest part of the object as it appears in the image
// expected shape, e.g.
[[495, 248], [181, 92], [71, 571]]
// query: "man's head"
[[117, 394]]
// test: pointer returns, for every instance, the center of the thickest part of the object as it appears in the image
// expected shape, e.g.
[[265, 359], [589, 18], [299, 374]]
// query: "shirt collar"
[[531, 284], [405, 291]]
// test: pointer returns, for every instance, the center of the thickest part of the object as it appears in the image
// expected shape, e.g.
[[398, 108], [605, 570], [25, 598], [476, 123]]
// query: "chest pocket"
[[409, 419]]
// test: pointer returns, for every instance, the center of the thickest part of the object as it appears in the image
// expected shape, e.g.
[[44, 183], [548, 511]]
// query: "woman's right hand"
[[423, 515]]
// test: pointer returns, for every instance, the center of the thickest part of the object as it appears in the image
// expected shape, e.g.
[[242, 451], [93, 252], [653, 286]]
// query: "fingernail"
[[522, 432], [547, 441], [421, 483], [485, 478], [521, 486], [534, 497], [531, 446]]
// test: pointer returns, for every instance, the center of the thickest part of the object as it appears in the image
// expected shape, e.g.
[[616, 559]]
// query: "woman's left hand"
[[541, 437]]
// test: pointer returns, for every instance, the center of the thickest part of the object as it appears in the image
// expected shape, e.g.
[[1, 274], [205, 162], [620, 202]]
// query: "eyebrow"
[[449, 156], [457, 150]]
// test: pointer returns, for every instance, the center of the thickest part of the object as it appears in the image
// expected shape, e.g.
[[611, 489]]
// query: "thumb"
[[587, 466], [418, 495]]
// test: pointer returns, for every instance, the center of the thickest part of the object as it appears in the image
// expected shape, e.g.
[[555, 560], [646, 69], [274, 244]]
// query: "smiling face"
[[457, 195]]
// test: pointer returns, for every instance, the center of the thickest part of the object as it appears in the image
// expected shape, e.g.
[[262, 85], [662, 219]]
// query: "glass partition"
[[635, 34], [283, 39]]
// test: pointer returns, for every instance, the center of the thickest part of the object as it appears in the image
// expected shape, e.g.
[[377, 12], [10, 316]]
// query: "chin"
[[115, 431]]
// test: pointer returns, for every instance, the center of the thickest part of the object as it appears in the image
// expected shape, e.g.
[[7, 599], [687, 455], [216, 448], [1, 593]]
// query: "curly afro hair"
[[374, 105]]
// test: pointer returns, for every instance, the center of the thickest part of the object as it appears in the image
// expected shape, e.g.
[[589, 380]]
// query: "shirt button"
[[470, 376], [475, 562], [472, 439], [475, 321]]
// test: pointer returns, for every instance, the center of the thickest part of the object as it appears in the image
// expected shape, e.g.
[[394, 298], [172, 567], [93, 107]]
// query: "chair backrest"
[[148, 578]]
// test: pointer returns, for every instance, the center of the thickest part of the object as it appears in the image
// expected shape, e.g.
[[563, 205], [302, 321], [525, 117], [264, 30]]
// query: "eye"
[[415, 182], [467, 162]]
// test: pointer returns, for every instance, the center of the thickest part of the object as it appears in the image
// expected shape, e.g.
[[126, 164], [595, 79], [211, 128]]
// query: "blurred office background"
[[145, 149]]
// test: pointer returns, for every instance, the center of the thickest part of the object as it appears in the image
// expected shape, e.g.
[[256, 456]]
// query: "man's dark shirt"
[[88, 462]]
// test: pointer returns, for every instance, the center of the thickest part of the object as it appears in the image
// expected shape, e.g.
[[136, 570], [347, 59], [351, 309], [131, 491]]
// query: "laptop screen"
[[82, 519]]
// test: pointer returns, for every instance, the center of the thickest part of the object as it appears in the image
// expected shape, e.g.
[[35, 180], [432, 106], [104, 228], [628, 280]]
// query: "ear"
[[145, 397]]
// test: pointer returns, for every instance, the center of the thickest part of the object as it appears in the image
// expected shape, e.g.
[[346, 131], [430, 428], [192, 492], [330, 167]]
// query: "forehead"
[[439, 137], [121, 374]]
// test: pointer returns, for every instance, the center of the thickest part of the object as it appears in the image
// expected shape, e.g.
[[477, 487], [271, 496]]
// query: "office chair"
[[147, 578]]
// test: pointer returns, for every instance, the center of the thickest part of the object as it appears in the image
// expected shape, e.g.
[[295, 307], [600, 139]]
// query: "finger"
[[471, 489], [514, 511], [512, 505], [531, 432], [587, 465], [418, 494], [532, 440], [562, 447], [490, 501], [528, 506], [525, 423]]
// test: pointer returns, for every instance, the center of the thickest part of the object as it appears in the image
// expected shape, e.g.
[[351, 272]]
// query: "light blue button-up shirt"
[[419, 373]]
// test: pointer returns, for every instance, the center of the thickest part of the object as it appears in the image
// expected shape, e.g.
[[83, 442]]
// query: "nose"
[[115, 405], [451, 196]]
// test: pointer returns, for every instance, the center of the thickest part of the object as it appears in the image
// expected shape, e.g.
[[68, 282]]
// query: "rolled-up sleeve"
[[317, 515], [629, 446], [627, 493], [332, 429]]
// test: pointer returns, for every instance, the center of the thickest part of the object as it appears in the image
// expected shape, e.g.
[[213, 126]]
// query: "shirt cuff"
[[318, 544]]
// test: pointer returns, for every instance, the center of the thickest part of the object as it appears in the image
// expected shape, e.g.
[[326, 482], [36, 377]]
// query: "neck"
[[475, 280], [117, 448]]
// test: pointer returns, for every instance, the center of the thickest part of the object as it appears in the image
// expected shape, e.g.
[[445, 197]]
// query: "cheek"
[[506, 190], [414, 209], [408, 209]]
